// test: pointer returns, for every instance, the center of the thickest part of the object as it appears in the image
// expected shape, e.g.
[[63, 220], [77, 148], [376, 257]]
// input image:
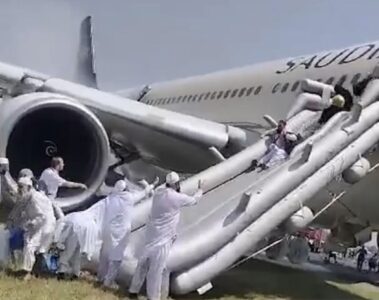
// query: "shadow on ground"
[[257, 279]]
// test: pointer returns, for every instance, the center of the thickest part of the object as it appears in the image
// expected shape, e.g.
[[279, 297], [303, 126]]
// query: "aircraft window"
[[330, 80], [200, 97], [242, 91], [249, 91], [342, 80], [219, 94], [234, 93], [258, 90], [213, 95], [179, 98], [194, 98], [189, 98], [226, 95], [168, 100], [285, 87], [207, 96], [276, 88], [173, 100], [355, 78], [295, 85], [184, 98]]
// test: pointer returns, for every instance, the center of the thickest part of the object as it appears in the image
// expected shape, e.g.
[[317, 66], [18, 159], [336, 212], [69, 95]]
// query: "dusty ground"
[[254, 280]]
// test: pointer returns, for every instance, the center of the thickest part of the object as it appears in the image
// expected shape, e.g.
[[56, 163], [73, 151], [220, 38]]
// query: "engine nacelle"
[[35, 127], [299, 220], [357, 171]]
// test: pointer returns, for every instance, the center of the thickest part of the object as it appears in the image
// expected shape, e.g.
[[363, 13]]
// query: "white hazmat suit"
[[117, 211], [38, 221], [77, 235], [160, 234]]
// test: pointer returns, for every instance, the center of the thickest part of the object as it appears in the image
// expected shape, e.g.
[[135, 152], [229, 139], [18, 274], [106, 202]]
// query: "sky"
[[144, 41]]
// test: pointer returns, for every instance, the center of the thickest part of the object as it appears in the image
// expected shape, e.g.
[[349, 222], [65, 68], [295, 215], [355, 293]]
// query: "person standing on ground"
[[160, 235], [116, 227], [362, 252], [38, 222], [54, 181]]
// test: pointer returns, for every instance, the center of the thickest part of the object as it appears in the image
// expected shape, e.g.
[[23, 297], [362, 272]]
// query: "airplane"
[[206, 125]]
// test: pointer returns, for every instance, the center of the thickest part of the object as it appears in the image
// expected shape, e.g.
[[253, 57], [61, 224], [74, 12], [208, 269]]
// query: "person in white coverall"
[[160, 235], [117, 210], [77, 236], [15, 218], [38, 222], [53, 181]]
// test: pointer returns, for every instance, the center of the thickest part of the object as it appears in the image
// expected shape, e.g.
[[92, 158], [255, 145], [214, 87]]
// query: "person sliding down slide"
[[281, 146]]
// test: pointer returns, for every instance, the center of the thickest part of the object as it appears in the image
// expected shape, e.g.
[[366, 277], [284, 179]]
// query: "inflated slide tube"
[[248, 239], [222, 172]]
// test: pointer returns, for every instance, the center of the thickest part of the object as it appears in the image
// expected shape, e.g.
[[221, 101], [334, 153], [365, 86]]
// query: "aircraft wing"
[[79, 123], [164, 138]]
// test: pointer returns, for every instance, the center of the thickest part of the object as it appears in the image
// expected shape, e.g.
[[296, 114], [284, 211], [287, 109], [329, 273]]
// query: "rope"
[[334, 199], [257, 253]]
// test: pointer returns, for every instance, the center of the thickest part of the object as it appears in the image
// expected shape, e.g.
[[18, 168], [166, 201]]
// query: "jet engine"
[[38, 126]]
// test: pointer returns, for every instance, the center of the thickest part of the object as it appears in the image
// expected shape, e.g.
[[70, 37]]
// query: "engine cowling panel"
[[37, 126]]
